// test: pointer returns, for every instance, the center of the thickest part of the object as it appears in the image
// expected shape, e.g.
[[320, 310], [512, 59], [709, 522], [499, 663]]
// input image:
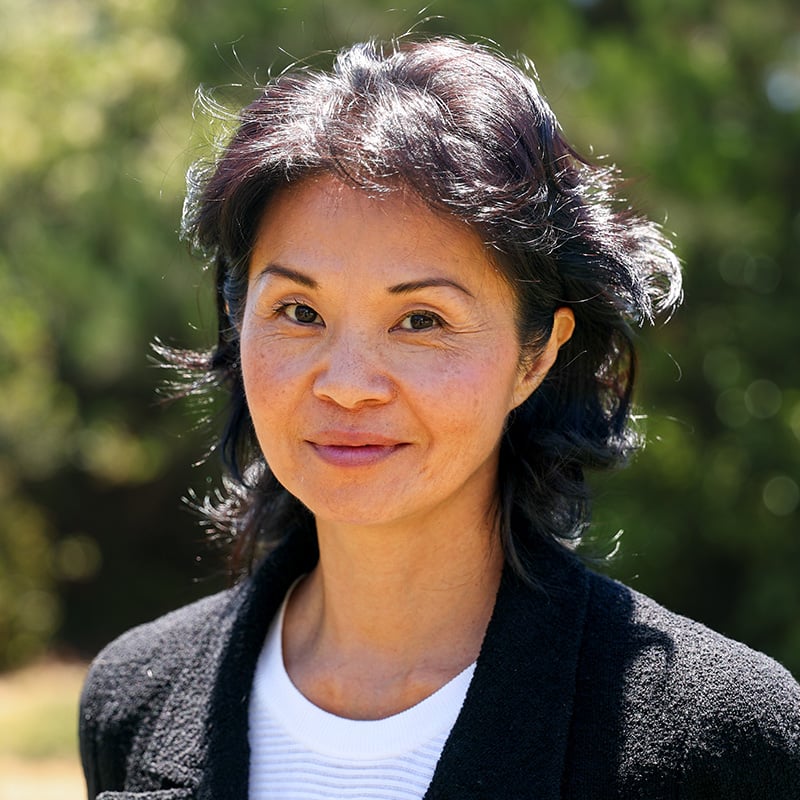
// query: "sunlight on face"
[[380, 355]]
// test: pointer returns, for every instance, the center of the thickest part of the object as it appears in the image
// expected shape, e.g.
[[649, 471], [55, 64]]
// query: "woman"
[[424, 303]]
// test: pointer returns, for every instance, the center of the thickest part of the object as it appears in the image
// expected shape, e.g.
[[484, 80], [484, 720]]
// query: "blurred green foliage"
[[697, 101]]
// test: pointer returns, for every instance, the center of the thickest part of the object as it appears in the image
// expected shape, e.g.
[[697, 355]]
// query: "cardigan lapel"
[[510, 738], [208, 752]]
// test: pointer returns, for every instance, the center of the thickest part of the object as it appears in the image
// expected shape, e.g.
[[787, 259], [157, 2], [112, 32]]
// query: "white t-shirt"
[[300, 752]]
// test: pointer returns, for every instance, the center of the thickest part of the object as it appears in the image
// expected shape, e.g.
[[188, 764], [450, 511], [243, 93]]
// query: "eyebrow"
[[290, 274], [413, 286], [406, 287]]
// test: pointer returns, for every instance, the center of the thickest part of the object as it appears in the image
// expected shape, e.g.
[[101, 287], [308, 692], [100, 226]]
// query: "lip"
[[354, 448]]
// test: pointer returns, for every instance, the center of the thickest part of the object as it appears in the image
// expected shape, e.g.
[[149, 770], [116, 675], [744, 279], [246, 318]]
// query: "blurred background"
[[698, 102]]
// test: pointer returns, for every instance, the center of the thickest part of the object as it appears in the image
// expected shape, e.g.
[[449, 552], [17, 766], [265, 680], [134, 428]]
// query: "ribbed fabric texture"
[[300, 752]]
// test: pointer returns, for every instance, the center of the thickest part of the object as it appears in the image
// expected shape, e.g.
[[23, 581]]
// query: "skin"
[[380, 358]]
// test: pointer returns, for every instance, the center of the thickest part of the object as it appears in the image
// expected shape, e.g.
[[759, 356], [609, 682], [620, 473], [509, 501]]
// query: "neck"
[[389, 615]]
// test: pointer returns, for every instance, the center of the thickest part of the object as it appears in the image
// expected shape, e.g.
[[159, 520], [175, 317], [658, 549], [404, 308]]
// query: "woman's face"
[[380, 356]]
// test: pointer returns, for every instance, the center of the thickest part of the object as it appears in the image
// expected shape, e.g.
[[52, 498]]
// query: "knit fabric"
[[583, 689]]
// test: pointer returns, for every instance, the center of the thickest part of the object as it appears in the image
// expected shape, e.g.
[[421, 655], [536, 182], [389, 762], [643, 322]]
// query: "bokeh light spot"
[[763, 399], [783, 89], [731, 408], [781, 495]]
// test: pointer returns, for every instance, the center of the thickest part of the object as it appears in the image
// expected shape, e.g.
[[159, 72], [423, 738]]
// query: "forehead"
[[324, 222], [325, 197]]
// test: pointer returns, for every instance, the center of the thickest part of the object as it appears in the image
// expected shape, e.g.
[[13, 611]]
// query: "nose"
[[352, 374]]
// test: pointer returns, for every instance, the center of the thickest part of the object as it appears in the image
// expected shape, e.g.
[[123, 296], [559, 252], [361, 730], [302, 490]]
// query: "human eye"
[[300, 313], [420, 321]]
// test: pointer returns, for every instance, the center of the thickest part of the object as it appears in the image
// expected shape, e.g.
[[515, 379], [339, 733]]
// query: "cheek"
[[256, 371], [269, 376], [272, 400], [469, 399]]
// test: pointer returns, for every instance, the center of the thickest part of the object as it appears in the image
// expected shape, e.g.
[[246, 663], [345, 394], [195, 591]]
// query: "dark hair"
[[467, 130]]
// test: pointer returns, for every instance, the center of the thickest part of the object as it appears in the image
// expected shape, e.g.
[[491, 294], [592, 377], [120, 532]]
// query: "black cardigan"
[[583, 689]]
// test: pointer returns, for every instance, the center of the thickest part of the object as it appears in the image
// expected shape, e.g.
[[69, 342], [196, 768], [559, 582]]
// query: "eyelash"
[[435, 318], [282, 309]]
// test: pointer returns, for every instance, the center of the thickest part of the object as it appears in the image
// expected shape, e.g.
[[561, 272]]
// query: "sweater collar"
[[511, 732]]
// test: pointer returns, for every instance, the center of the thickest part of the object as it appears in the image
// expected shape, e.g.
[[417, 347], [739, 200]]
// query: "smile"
[[355, 455]]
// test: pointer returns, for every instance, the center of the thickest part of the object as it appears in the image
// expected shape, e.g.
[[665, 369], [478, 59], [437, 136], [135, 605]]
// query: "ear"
[[533, 373]]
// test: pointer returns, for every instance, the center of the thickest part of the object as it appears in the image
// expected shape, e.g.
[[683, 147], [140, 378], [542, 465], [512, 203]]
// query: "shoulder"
[[717, 673], [131, 679], [715, 711], [158, 648]]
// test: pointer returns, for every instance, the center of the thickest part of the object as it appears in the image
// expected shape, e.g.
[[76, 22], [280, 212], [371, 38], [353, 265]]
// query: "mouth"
[[354, 449]]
